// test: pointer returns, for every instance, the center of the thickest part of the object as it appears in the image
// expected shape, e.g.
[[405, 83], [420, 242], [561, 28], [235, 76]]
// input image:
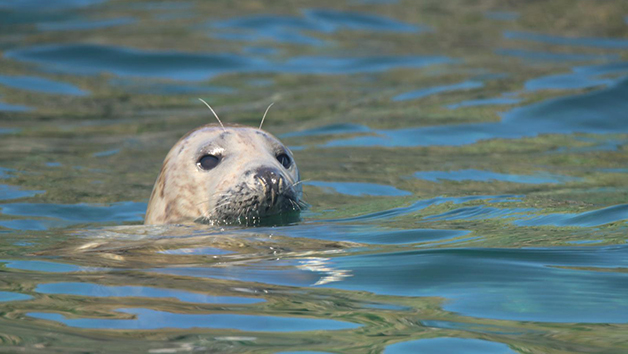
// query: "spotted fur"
[[230, 192]]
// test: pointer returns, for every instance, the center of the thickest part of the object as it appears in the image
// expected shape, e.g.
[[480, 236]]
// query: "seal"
[[225, 175]]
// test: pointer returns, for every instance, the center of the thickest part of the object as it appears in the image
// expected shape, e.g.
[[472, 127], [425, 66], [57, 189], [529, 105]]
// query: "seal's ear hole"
[[285, 160], [207, 162]]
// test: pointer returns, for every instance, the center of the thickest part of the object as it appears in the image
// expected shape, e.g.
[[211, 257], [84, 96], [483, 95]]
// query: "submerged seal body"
[[225, 175]]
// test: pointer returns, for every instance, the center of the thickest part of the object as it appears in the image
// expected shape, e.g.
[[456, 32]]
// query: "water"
[[465, 166]]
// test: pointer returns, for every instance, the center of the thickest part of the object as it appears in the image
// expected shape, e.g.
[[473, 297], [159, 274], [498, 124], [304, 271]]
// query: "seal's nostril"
[[272, 181]]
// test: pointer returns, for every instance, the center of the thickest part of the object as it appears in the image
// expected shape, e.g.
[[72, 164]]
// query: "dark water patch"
[[106, 153], [203, 251], [44, 5], [94, 59], [75, 25], [598, 145], [10, 18], [595, 42], [368, 234], [152, 319], [39, 84], [336, 20], [596, 112], [530, 216], [501, 15], [150, 87], [449, 345], [53, 164], [587, 219], [485, 102], [422, 204], [412, 95], [13, 107], [332, 129], [507, 284], [43, 266], [486, 176], [290, 29], [96, 290], [550, 56], [481, 212], [12, 192], [60, 215], [6, 296], [358, 189]]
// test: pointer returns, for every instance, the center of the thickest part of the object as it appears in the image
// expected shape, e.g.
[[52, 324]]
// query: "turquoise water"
[[464, 162]]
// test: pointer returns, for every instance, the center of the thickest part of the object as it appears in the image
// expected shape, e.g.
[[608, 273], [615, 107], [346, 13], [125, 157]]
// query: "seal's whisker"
[[213, 195], [215, 115], [298, 182], [264, 117]]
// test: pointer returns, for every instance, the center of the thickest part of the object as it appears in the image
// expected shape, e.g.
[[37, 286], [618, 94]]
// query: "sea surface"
[[465, 163]]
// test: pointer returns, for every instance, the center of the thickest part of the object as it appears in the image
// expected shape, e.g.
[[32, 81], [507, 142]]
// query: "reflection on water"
[[477, 175], [151, 319], [465, 166], [83, 25], [93, 59], [85, 289], [40, 84], [289, 29], [450, 345]]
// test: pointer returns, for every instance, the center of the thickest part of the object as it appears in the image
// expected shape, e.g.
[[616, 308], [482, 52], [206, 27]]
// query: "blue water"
[[9, 296], [39, 84], [358, 189], [6, 107], [412, 95], [598, 112], [86, 289], [290, 29], [91, 59], [74, 25], [450, 345], [464, 166], [151, 319], [485, 176]]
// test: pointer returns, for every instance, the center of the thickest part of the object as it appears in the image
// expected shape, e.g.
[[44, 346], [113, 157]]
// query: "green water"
[[465, 163]]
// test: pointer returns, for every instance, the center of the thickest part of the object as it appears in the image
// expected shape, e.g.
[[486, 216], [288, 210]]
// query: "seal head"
[[230, 175]]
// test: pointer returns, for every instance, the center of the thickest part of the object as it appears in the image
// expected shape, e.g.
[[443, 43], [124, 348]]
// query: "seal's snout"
[[272, 181]]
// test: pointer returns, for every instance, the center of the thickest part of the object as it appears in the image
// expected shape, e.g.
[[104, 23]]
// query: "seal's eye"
[[284, 159], [207, 162]]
